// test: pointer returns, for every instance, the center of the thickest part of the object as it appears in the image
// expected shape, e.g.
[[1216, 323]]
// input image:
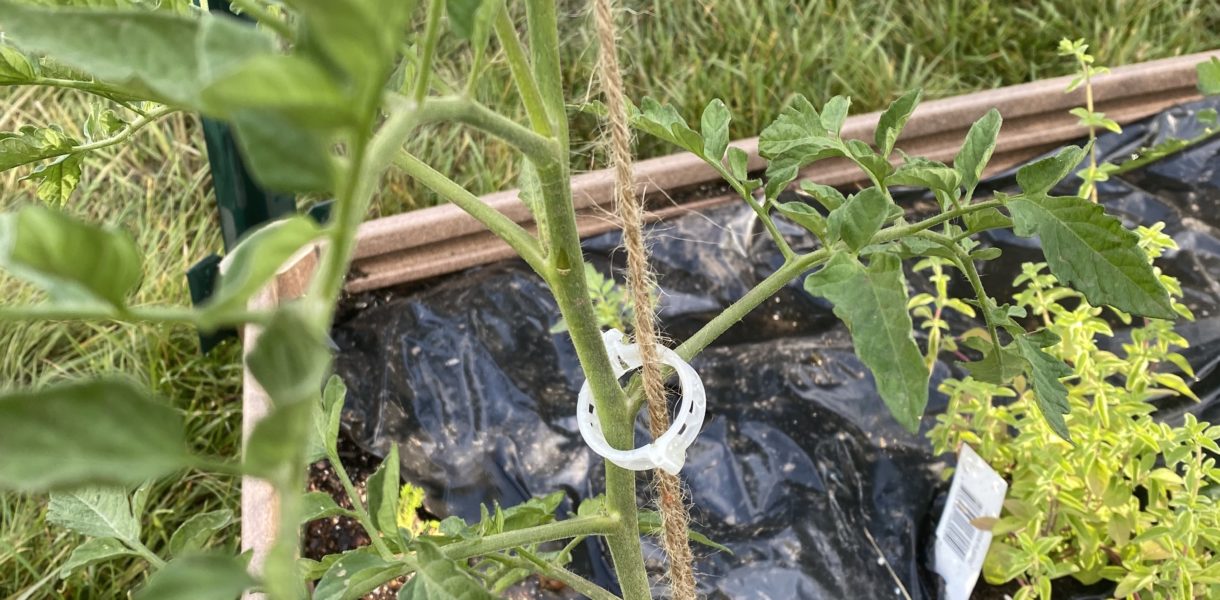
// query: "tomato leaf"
[[74, 262], [100, 512], [93, 551], [976, 151], [714, 127], [859, 218], [872, 303], [441, 578], [890, 125], [199, 577], [1045, 372], [106, 430], [197, 530], [1093, 253]]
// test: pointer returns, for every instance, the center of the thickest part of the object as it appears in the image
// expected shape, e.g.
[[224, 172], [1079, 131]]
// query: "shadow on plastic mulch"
[[799, 469]]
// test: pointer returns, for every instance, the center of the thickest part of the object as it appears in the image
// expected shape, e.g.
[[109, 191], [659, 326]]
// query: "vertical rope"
[[674, 519]]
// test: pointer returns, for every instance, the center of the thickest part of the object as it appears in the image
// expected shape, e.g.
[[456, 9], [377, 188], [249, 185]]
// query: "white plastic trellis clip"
[[667, 452]]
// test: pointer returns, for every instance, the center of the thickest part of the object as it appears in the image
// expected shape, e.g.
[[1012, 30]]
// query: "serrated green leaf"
[[15, 67], [95, 511], [199, 577], [57, 179], [197, 530], [976, 150], [714, 126], [1093, 253], [858, 219], [1045, 372], [1039, 177], [284, 156], [97, 431], [1209, 76], [834, 113], [290, 358], [926, 173], [797, 138], [255, 261], [103, 123], [383, 486], [91, 552], [872, 303], [272, 450], [319, 505], [890, 125], [804, 215], [32, 144], [153, 54], [74, 262], [441, 578], [355, 574]]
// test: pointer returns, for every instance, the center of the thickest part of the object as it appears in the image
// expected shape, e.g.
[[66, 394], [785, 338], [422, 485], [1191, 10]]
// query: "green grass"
[[751, 53]]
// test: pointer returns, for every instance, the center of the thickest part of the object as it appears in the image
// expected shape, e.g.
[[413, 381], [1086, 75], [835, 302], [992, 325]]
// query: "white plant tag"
[[977, 491]]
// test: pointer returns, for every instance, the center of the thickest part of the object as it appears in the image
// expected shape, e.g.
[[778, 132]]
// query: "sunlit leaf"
[[15, 67], [57, 179]]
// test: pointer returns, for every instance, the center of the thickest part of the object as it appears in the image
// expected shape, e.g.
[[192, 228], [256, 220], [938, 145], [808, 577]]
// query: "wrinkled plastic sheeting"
[[799, 470]]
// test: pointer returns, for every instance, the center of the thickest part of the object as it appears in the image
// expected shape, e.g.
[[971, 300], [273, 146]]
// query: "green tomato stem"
[[431, 36], [559, 530], [362, 514]]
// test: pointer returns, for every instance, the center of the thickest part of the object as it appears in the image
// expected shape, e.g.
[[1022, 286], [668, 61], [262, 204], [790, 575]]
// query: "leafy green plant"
[[323, 95], [1132, 500], [1097, 172]]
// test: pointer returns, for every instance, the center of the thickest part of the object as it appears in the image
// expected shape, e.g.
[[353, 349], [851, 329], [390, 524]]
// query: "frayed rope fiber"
[[670, 497]]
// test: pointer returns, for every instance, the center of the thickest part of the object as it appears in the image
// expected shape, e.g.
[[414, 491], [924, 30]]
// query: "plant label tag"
[[977, 492]]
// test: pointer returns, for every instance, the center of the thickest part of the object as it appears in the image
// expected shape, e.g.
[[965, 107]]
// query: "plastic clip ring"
[[667, 452]]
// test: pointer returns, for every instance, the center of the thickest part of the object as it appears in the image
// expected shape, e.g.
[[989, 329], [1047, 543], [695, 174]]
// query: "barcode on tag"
[[976, 491]]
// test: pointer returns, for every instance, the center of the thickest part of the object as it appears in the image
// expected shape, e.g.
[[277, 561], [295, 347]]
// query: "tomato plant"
[[322, 95]]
